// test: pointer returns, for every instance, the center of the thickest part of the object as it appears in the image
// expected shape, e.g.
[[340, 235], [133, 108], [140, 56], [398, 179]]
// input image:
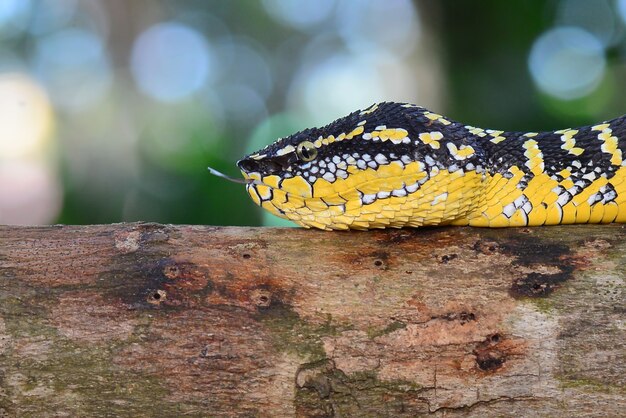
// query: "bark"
[[161, 320]]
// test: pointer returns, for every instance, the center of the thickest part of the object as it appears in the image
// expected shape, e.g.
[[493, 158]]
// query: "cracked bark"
[[148, 319]]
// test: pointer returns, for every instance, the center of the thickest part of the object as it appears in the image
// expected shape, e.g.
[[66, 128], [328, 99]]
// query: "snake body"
[[400, 165]]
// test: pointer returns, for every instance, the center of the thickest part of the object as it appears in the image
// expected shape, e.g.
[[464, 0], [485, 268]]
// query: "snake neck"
[[561, 177]]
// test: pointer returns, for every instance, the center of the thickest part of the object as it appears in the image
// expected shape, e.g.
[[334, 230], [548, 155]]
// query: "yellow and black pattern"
[[397, 165]]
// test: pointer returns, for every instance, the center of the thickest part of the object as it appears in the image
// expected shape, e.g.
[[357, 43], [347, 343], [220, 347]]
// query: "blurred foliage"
[[146, 94], [486, 52]]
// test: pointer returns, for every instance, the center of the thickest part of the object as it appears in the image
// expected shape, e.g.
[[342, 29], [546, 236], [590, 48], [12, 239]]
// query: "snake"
[[400, 165]]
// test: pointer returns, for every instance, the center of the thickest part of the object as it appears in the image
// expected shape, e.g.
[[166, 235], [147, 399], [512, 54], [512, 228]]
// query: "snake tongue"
[[224, 176]]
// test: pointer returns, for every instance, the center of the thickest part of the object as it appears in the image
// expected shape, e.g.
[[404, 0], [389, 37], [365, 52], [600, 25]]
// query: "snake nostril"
[[265, 166], [248, 165]]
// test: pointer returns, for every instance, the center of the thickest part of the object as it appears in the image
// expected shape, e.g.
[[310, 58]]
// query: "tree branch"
[[161, 320]]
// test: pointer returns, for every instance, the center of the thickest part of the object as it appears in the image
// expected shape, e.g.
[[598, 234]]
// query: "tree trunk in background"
[[161, 320]]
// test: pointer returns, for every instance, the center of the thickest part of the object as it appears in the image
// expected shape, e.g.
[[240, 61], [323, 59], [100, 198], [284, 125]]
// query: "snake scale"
[[400, 165]]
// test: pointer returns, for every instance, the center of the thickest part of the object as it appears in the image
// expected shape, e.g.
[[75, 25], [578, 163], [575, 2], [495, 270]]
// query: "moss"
[[590, 385], [84, 382], [292, 334], [393, 326], [23, 317], [360, 394], [543, 305], [70, 377]]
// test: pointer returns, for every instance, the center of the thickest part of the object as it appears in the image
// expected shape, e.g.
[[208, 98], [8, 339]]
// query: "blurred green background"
[[110, 110]]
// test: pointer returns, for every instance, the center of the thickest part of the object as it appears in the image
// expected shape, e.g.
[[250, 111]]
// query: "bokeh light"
[[25, 117], [11, 9], [369, 25], [170, 61], [14, 15], [30, 193], [334, 87], [567, 62], [74, 66]]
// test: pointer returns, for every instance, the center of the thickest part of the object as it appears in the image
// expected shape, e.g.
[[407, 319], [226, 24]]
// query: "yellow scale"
[[339, 205]]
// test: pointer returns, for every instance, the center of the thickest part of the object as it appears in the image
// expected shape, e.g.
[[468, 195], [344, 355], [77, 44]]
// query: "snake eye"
[[306, 151]]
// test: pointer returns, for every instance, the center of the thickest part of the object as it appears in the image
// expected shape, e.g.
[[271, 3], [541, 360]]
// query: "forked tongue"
[[234, 180]]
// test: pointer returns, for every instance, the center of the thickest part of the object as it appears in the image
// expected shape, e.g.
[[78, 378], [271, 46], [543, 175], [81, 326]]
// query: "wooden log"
[[161, 320]]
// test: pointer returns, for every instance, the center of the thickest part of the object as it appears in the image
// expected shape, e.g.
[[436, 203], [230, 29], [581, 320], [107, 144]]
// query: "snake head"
[[368, 169]]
